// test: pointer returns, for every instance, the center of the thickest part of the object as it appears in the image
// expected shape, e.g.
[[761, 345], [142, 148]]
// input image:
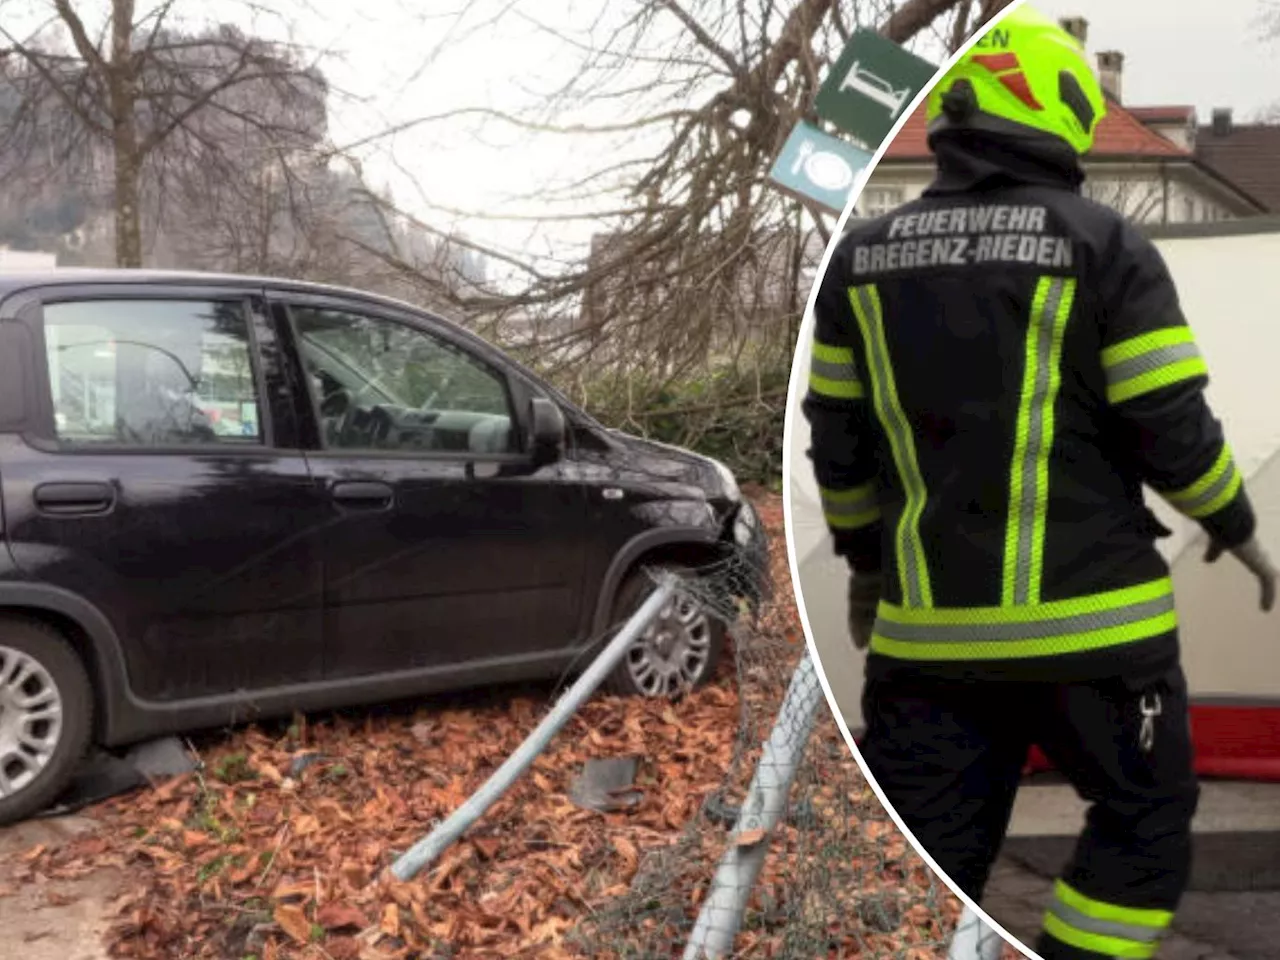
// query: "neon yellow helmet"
[[1026, 71]]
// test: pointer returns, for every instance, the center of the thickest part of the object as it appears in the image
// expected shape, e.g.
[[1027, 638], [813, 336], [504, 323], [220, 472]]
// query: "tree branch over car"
[[697, 266]]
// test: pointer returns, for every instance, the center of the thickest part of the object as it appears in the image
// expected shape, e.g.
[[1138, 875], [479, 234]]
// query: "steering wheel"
[[339, 402], [435, 394]]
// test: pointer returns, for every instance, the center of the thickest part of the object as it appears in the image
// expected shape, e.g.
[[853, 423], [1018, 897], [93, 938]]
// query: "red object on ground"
[[1240, 743]]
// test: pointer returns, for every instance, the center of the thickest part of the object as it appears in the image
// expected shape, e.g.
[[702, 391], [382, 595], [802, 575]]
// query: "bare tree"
[[697, 264], [146, 103]]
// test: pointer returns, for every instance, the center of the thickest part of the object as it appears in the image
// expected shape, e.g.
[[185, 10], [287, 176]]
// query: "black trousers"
[[949, 754]]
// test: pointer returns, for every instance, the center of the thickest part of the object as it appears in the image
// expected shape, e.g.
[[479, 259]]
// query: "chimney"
[[1078, 27], [1111, 73], [1222, 122]]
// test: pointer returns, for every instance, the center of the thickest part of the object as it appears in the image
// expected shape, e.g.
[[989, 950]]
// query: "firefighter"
[[998, 368]]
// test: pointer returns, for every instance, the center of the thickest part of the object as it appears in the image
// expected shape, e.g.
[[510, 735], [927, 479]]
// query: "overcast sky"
[[1176, 53], [1179, 52]]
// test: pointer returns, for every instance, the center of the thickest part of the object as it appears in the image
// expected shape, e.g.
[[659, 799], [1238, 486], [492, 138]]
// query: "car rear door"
[[161, 481], [449, 553]]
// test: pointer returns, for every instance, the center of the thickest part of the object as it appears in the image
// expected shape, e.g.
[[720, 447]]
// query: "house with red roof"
[[1145, 162], [1246, 153]]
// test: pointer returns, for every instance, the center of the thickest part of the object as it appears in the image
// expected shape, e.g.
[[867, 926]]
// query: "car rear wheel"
[[46, 708], [677, 651]]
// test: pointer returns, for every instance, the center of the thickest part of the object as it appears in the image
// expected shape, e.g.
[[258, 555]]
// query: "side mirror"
[[546, 428]]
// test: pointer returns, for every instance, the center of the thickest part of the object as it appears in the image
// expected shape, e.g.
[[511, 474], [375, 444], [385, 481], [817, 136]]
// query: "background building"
[[1152, 163]]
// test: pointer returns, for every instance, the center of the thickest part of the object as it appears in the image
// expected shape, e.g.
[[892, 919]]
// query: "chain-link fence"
[[740, 825], [792, 855]]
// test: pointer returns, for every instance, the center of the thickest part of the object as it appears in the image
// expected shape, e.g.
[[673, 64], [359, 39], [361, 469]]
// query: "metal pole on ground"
[[426, 850], [973, 939]]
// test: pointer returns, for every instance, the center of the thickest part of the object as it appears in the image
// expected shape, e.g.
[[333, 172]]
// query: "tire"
[[703, 636], [50, 663]]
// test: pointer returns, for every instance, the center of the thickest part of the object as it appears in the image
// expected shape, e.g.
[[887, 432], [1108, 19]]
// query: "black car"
[[231, 497]]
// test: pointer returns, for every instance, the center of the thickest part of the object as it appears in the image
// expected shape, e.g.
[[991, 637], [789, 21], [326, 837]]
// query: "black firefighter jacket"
[[998, 369]]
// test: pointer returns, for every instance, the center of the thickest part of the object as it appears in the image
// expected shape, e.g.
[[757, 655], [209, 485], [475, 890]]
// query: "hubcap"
[[673, 652], [30, 719]]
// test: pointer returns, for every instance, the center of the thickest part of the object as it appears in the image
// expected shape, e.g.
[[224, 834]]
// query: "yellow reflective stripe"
[[1097, 943], [1165, 377], [829, 354], [1090, 605], [836, 389], [1046, 629], [1153, 360], [1033, 441], [1135, 347], [1105, 928], [1020, 649], [850, 509], [1101, 910], [832, 373], [913, 569], [1215, 490]]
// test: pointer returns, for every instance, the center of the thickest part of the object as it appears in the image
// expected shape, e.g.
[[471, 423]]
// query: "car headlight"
[[731, 489]]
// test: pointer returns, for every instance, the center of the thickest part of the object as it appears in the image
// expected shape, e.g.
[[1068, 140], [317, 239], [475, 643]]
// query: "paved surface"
[[56, 920], [1232, 911]]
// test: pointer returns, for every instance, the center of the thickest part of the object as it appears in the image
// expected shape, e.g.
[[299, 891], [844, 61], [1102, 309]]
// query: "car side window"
[[151, 373], [383, 385]]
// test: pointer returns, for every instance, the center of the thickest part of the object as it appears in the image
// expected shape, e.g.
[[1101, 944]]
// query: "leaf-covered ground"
[[276, 847]]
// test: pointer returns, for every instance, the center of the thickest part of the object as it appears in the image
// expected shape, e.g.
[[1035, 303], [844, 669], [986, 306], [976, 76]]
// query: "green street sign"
[[817, 167], [870, 86]]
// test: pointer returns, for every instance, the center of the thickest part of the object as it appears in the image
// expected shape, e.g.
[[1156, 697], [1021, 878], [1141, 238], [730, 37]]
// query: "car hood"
[[670, 464]]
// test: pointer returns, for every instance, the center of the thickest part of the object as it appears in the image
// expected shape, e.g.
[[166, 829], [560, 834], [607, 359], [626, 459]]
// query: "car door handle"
[[73, 499], [363, 493]]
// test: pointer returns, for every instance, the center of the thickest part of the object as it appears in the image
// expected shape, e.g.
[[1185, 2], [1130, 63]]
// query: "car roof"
[[25, 279], [20, 280]]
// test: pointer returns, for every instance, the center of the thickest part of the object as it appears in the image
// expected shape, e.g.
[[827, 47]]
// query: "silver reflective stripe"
[[1151, 361], [1105, 928], [844, 372], [1033, 446], [914, 574], [1196, 504], [1027, 629]]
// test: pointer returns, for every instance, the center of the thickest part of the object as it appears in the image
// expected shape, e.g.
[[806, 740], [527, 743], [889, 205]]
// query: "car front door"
[[159, 483], [452, 554]]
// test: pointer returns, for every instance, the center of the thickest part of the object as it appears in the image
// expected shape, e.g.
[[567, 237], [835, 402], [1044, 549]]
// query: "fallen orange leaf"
[[195, 839], [292, 919], [337, 914], [391, 920]]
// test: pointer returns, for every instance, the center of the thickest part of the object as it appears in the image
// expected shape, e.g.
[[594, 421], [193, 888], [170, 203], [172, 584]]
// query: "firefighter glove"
[[1252, 554], [864, 598]]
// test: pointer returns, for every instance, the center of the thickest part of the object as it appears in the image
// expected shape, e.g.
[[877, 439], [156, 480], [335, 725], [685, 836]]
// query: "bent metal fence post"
[[974, 940], [791, 855], [766, 802], [425, 851]]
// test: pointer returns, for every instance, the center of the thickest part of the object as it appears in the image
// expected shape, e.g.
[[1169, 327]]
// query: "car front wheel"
[[677, 651], [46, 707]]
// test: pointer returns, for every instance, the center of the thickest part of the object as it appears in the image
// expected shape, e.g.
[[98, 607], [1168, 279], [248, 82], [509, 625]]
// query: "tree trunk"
[[127, 214], [126, 148]]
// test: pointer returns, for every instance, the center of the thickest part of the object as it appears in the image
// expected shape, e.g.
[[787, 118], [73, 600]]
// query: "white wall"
[[1229, 647], [18, 261], [1137, 192]]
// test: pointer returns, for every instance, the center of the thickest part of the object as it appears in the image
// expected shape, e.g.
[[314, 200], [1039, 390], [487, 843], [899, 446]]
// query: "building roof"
[[1248, 156], [1120, 134], [1171, 114]]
